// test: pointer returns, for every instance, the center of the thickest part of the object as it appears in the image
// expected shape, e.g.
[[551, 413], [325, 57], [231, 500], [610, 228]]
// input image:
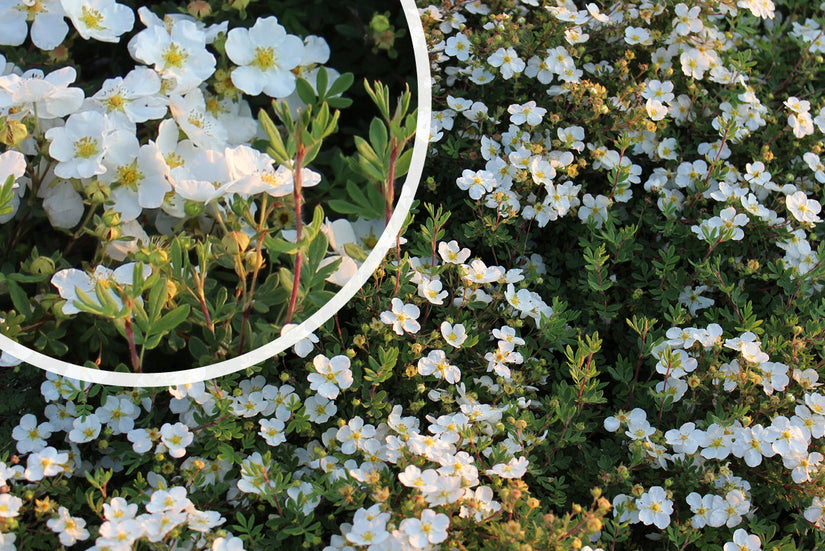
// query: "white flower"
[[477, 183], [304, 346], [137, 175], [46, 462], [402, 317], [459, 47], [63, 204], [9, 505], [816, 511], [48, 26], [515, 468], [103, 20], [70, 280], [304, 496], [204, 179], [229, 543], [703, 507], [141, 440], [29, 435], [508, 62], [760, 8], [131, 99], [47, 96], [70, 529], [451, 254], [368, 532], [655, 508], [527, 112], [354, 435], [253, 172], [266, 55], [687, 20], [431, 289], [436, 364], [742, 541], [802, 208], [693, 299], [179, 56], [173, 499], [332, 375], [319, 409], [455, 335], [119, 412], [272, 430], [197, 123], [176, 437], [80, 145], [12, 164], [119, 509], [656, 110], [636, 35], [430, 529], [85, 429], [624, 507]]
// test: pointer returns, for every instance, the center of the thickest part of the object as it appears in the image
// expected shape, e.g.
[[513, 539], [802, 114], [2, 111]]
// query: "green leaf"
[[321, 81], [20, 299], [315, 255], [366, 151], [339, 103], [305, 91], [277, 148], [171, 319], [157, 297], [341, 85], [355, 252], [26, 278], [6, 196], [402, 164], [378, 136], [343, 207], [279, 245]]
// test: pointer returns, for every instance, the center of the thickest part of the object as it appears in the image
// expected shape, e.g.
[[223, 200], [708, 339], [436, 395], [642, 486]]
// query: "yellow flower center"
[[214, 106], [264, 58], [130, 177], [86, 148], [92, 19], [174, 160], [174, 56], [32, 10], [195, 120], [115, 103]]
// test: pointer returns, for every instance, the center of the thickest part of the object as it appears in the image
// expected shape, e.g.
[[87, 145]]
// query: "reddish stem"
[[299, 229], [133, 354]]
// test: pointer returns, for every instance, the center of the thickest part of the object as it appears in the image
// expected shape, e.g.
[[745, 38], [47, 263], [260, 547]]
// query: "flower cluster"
[[165, 167]]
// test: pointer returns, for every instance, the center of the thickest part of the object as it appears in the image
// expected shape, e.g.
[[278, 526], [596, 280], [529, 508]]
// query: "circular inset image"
[[207, 188]]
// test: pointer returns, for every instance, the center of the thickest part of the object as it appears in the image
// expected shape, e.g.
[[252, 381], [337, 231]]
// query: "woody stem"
[[299, 229]]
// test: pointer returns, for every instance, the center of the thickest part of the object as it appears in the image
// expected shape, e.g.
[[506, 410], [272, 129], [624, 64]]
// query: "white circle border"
[[253, 357]]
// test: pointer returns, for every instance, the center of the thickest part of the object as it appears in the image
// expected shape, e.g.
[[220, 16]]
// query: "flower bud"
[[199, 8], [193, 208], [42, 265], [111, 218], [97, 191], [235, 242], [13, 132]]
